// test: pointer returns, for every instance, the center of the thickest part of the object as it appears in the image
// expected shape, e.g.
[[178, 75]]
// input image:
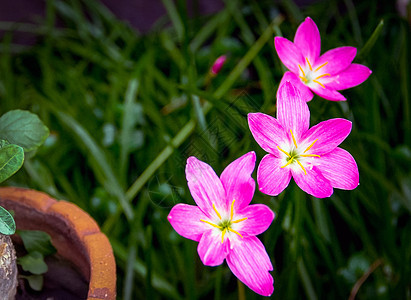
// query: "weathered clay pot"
[[8, 268], [84, 264]]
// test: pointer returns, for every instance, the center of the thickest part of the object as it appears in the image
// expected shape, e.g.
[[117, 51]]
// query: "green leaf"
[[371, 41], [7, 224], [35, 281], [23, 128], [37, 241], [99, 161], [33, 263], [175, 18], [128, 122], [11, 160]]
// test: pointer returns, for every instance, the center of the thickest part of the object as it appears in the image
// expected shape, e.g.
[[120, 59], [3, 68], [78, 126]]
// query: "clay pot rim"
[[66, 224]]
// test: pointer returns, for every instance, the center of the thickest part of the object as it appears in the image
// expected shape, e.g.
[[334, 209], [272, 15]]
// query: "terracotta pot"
[[81, 247]]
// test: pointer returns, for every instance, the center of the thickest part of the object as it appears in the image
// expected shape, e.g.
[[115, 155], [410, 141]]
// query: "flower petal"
[[340, 168], [271, 178], [292, 110], [307, 38], [205, 186], [249, 261], [327, 92], [337, 60], [211, 250], [313, 183], [237, 181], [354, 75], [185, 219], [267, 132], [305, 91], [259, 218], [329, 134], [289, 54]]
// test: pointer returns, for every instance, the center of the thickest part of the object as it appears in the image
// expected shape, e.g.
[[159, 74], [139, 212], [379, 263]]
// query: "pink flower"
[[310, 72], [309, 155], [218, 64], [224, 223]]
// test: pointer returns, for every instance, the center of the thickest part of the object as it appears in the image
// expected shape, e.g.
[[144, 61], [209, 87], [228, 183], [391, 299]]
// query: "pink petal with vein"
[[259, 218], [211, 250], [305, 91], [313, 183], [292, 110], [327, 93], [249, 261], [237, 181], [185, 219], [307, 38], [289, 54], [340, 168], [267, 132], [329, 133], [337, 60], [354, 75], [271, 178], [205, 186]]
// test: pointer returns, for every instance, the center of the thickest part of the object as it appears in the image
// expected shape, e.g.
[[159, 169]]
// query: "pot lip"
[[58, 217]]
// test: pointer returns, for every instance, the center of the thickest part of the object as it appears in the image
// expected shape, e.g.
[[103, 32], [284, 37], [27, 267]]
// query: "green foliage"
[[37, 241], [38, 245], [33, 263], [7, 224], [23, 128], [20, 131], [11, 159], [125, 111], [35, 281]]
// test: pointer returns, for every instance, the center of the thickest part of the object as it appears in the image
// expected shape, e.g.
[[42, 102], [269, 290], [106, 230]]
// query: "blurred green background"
[[126, 109]]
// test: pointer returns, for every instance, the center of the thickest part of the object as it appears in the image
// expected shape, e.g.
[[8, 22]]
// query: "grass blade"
[[98, 159]]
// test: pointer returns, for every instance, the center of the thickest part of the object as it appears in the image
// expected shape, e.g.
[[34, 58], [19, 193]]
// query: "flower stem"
[[241, 290], [305, 278], [217, 289], [188, 129], [162, 157]]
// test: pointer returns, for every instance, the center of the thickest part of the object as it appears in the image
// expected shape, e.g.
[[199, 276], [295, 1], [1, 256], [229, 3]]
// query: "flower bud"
[[218, 64]]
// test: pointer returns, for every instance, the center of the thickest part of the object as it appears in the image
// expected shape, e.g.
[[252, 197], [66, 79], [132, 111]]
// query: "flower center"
[[311, 75], [295, 155], [225, 224]]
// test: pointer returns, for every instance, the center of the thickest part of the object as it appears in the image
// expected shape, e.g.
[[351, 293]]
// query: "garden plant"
[[262, 150]]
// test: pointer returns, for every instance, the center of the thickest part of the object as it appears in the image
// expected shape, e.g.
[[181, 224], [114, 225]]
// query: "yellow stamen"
[[309, 155], [295, 143], [216, 211], [239, 220], [309, 65], [209, 223], [326, 74], [321, 66], [302, 71], [232, 210], [309, 147], [302, 167], [236, 232], [283, 151], [222, 236], [316, 81], [289, 162], [226, 224]]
